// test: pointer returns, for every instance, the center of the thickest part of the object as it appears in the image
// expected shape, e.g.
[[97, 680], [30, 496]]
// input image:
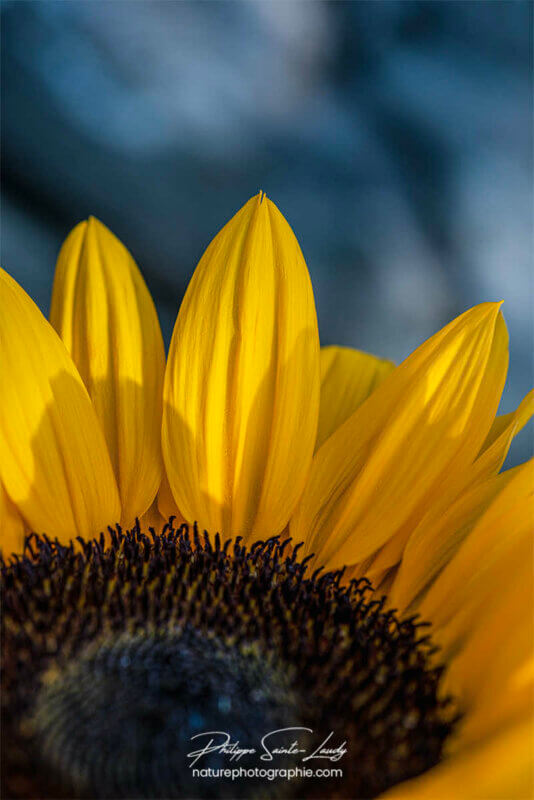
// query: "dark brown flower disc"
[[115, 656]]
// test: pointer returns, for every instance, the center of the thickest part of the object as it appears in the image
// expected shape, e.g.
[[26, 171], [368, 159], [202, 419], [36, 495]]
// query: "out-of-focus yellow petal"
[[493, 640], [437, 538], [481, 610], [348, 377], [381, 470], [105, 316], [241, 396], [491, 714], [54, 462], [499, 768], [490, 642], [471, 580], [12, 528]]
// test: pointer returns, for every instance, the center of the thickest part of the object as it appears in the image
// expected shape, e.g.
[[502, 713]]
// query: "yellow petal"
[[511, 423], [54, 462], [12, 528], [241, 396], [387, 463], [468, 583], [481, 610], [348, 377], [167, 504], [500, 768], [490, 714], [152, 518], [437, 538], [456, 483], [105, 316], [497, 444], [493, 640]]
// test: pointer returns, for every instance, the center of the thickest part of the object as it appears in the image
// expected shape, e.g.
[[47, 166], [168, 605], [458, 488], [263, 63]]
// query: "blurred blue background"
[[396, 138]]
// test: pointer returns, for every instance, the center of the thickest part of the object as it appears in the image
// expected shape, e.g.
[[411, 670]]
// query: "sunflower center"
[[123, 662], [118, 720]]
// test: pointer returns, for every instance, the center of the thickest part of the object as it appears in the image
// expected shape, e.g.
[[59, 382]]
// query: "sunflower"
[[259, 533]]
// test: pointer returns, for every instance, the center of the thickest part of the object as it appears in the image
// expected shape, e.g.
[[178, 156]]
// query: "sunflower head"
[[115, 658], [358, 502]]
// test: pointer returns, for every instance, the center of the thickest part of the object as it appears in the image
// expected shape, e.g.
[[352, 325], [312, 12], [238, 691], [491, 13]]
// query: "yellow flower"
[[252, 429]]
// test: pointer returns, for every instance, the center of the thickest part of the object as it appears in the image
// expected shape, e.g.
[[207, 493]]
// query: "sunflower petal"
[[437, 538], [105, 316], [12, 528], [491, 714], [499, 768], [380, 470], [167, 504], [491, 649], [489, 646], [241, 396], [152, 518], [457, 483], [513, 422], [469, 581], [348, 377], [483, 620], [497, 444], [54, 462]]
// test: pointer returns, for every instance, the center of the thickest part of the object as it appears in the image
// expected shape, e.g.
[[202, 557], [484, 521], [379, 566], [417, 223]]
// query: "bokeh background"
[[396, 137]]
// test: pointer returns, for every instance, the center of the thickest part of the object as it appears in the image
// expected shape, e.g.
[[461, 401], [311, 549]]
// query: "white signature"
[[271, 745]]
